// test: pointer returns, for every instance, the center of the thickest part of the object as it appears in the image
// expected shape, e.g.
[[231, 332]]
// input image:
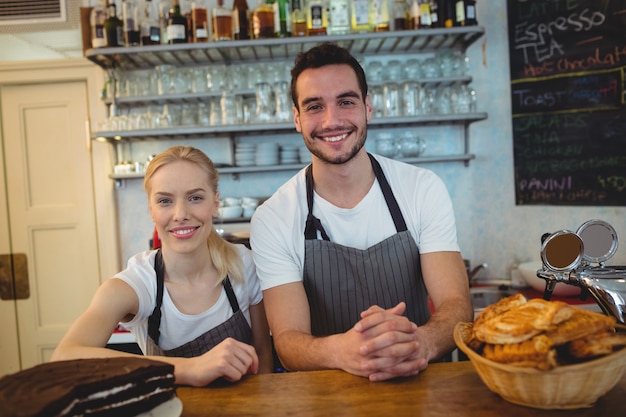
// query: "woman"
[[196, 302]]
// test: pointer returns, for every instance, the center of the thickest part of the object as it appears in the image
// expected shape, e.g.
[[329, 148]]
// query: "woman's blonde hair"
[[225, 256]]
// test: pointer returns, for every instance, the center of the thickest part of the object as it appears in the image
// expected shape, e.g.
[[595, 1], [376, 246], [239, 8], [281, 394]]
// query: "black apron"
[[341, 281], [236, 327]]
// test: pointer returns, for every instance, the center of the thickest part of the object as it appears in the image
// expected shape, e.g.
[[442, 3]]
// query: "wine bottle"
[[298, 19], [222, 20], [176, 25], [400, 12], [338, 17], [380, 15], [113, 27], [130, 20], [241, 20], [282, 18], [424, 18], [263, 20], [199, 22], [470, 13], [360, 16], [316, 20], [149, 26], [447, 9], [97, 18], [435, 22]]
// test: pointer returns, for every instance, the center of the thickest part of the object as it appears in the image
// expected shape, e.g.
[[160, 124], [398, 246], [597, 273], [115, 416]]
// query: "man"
[[349, 250]]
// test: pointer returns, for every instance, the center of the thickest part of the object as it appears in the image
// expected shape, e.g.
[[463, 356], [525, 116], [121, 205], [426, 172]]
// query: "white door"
[[51, 214]]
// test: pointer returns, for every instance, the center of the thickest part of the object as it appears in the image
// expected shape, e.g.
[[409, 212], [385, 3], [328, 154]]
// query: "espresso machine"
[[579, 258]]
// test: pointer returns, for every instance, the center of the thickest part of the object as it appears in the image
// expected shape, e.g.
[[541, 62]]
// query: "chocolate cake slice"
[[88, 387]]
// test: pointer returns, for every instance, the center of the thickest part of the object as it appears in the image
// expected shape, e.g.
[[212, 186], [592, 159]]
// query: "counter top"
[[443, 390]]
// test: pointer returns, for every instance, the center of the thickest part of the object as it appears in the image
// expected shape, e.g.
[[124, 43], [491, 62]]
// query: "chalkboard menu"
[[568, 59]]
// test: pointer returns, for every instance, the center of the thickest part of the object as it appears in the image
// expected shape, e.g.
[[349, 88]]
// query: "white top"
[[178, 328], [277, 227]]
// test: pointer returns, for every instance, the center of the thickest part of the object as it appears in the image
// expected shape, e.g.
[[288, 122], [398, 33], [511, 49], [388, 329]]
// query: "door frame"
[[81, 69]]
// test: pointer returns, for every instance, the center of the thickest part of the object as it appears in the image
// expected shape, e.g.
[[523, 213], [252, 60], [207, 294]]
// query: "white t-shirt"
[[277, 228], [178, 328]]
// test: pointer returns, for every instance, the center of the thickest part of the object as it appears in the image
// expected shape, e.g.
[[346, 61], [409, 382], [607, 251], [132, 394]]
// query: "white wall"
[[491, 228]]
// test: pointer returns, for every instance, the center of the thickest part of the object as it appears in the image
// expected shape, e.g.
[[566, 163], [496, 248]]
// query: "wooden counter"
[[443, 390]]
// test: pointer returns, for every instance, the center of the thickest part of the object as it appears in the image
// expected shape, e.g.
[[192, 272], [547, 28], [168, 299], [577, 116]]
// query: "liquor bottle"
[[130, 19], [199, 22], [263, 20], [459, 11], [447, 12], [380, 15], [241, 20], [185, 11], [424, 18], [163, 11], [298, 19], [176, 25], [360, 16], [113, 27], [470, 13], [222, 20], [316, 19], [149, 26], [282, 18], [338, 17], [435, 22], [97, 18], [400, 12]]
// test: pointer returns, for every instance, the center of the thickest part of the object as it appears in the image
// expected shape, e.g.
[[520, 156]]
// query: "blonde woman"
[[196, 302]]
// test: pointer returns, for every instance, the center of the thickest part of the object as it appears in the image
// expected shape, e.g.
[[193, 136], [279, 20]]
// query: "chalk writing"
[[578, 91], [568, 59], [538, 41]]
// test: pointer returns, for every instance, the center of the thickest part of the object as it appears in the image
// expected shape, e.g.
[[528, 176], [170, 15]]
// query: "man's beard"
[[342, 158]]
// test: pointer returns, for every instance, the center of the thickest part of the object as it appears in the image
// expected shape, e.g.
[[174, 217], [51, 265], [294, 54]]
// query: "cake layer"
[[90, 387]]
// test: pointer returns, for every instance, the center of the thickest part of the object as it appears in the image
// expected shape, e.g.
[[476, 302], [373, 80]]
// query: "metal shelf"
[[191, 132], [262, 50], [362, 44], [235, 170]]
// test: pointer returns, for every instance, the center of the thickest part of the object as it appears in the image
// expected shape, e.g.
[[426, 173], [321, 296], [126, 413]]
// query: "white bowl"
[[529, 273], [231, 201], [249, 201], [230, 212]]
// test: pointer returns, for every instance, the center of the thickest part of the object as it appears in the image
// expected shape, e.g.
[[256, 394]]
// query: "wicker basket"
[[564, 387]]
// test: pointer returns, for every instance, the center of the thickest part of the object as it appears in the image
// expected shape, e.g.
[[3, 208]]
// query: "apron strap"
[[392, 203], [313, 224], [154, 321], [230, 293]]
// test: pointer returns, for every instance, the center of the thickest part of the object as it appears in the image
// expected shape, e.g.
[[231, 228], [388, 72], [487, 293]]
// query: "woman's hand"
[[230, 360]]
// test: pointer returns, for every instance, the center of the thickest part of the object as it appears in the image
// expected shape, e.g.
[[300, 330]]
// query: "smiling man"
[[349, 249]]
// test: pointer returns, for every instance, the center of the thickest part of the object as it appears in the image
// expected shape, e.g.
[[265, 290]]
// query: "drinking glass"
[[412, 97], [375, 72], [189, 115], [264, 102], [412, 69], [391, 93], [198, 77], [283, 100], [164, 79], [377, 98]]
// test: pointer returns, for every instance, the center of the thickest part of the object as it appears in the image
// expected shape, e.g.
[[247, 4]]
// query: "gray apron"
[[236, 327], [341, 281]]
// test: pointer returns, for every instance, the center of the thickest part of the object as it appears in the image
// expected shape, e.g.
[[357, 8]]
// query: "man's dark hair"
[[327, 53]]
